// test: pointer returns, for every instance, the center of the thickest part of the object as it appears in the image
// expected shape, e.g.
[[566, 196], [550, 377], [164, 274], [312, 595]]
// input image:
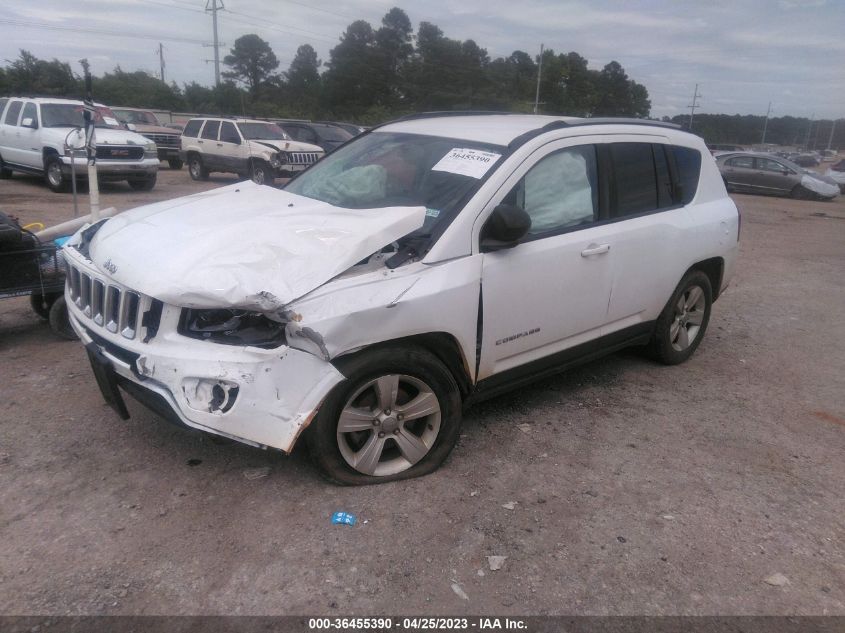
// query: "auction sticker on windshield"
[[466, 162]]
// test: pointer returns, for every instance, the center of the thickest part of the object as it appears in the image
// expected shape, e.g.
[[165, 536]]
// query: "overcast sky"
[[743, 53]]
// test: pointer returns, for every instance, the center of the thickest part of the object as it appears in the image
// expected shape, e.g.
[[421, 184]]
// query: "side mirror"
[[30, 123], [504, 228], [131, 127]]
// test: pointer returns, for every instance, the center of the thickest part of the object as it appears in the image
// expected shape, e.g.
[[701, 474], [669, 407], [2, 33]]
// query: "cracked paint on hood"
[[244, 245]]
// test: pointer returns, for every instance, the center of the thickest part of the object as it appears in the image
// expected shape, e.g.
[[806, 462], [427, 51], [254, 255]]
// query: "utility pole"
[[211, 5], [830, 138], [695, 98], [766, 123], [161, 60], [539, 73], [809, 127]]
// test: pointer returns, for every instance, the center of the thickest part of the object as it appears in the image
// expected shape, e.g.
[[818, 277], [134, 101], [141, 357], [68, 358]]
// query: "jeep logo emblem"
[[112, 268]]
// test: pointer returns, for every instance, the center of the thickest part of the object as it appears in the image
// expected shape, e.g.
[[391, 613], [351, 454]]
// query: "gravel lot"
[[635, 488]]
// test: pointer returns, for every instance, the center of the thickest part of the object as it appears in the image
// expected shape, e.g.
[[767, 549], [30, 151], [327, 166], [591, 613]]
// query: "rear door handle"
[[595, 249], [220, 145]]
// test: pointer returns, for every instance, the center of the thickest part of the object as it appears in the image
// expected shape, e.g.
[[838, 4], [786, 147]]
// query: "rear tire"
[[196, 168], [59, 320], [405, 445], [683, 322], [145, 184], [41, 304], [53, 175], [175, 163]]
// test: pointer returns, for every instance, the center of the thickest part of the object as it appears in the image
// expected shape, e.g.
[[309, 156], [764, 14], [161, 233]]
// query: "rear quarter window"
[[635, 178], [192, 128], [688, 164]]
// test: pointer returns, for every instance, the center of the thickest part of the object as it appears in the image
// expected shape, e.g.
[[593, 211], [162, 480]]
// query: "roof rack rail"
[[445, 113], [555, 125]]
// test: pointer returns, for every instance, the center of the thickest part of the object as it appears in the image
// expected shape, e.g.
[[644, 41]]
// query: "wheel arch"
[[714, 268], [442, 345]]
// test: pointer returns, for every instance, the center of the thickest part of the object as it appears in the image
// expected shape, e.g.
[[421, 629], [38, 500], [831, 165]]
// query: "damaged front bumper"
[[263, 397]]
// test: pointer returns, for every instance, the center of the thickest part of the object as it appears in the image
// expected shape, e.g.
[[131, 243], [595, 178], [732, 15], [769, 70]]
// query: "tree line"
[[372, 74]]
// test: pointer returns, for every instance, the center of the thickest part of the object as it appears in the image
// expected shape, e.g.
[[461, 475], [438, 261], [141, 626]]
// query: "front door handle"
[[595, 249]]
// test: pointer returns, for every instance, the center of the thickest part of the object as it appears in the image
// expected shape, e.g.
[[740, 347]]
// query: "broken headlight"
[[232, 327], [280, 159]]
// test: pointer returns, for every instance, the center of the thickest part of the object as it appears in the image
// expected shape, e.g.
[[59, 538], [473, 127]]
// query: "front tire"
[[683, 322], [144, 184], [5, 172], [396, 416], [59, 320], [261, 173], [196, 168], [53, 175]]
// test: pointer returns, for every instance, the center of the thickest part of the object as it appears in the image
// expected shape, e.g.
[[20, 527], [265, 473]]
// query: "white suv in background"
[[34, 134], [259, 150], [425, 265]]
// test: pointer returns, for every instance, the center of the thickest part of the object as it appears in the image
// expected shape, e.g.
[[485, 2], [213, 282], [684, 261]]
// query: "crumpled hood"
[[285, 146], [244, 245]]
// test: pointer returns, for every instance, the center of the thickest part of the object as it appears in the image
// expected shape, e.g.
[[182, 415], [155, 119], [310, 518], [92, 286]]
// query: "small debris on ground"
[[344, 518], [480, 572], [495, 562], [194, 462], [525, 428], [668, 517], [474, 493], [776, 580], [459, 592], [257, 473], [510, 505], [621, 539]]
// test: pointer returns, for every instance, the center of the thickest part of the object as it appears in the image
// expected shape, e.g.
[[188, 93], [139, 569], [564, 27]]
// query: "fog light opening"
[[223, 397]]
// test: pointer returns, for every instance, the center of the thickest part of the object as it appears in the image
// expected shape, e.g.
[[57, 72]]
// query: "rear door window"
[[688, 165], [192, 128], [742, 162], [635, 178], [210, 130], [13, 112]]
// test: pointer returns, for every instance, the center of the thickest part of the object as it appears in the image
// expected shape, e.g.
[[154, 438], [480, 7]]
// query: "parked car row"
[[749, 172], [44, 136]]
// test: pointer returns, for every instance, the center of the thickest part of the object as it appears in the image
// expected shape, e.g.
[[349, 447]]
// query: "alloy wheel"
[[388, 425], [688, 317]]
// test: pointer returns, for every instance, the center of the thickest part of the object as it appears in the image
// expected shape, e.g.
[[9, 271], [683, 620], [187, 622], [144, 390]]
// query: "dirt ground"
[[635, 488]]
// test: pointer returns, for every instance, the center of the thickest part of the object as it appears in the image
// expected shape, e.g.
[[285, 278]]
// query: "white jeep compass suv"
[[427, 264], [259, 150], [35, 135]]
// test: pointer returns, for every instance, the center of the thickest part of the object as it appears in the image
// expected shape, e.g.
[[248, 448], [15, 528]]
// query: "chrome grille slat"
[[107, 305], [164, 140], [98, 300], [303, 158]]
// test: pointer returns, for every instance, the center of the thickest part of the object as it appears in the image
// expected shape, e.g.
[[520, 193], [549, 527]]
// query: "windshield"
[[262, 132], [331, 133], [387, 169], [70, 115], [133, 116]]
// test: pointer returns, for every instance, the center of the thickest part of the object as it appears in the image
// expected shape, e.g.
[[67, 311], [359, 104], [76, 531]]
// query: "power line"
[[96, 31]]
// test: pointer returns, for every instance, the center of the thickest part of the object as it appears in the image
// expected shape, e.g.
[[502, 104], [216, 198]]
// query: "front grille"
[[303, 158], [120, 152], [106, 305], [164, 140]]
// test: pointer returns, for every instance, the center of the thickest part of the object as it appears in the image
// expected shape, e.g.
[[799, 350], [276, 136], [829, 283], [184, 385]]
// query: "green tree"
[[252, 62], [28, 74], [351, 84], [302, 87], [138, 89], [393, 50]]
